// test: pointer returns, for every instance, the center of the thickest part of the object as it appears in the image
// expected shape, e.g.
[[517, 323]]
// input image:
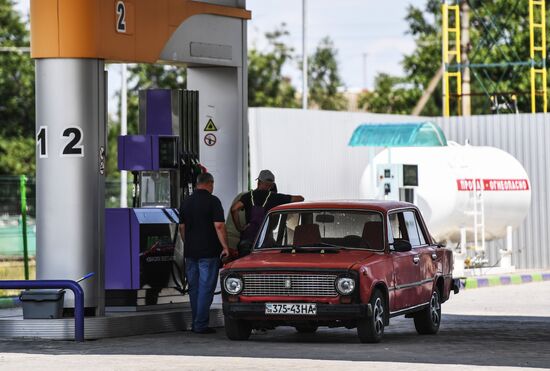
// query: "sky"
[[376, 28]]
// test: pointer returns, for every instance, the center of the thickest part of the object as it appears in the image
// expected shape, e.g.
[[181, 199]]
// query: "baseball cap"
[[266, 176]]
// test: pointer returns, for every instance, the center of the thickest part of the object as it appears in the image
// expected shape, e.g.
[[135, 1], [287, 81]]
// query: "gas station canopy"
[[417, 134]]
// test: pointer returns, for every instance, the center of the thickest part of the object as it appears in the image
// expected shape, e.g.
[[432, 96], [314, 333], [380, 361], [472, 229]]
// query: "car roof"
[[376, 205]]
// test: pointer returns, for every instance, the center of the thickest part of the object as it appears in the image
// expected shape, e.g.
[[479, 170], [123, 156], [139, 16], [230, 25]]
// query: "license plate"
[[300, 309]]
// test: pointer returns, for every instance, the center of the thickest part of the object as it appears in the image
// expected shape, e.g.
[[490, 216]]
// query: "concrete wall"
[[308, 152]]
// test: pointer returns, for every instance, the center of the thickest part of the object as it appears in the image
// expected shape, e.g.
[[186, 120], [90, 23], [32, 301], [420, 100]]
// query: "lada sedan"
[[352, 264]]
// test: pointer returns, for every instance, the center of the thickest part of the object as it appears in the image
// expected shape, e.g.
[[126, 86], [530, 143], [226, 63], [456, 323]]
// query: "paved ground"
[[502, 328]]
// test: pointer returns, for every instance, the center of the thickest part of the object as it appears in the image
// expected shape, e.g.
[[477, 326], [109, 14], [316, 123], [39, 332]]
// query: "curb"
[[9, 302], [510, 279]]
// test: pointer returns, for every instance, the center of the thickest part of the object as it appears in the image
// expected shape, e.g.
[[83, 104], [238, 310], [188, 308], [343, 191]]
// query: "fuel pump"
[[397, 181], [144, 262]]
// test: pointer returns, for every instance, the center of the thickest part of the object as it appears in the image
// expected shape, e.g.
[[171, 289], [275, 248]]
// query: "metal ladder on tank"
[[479, 216]]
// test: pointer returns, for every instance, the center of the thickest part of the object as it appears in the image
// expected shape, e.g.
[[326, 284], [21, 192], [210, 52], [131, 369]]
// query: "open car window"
[[404, 225], [323, 228]]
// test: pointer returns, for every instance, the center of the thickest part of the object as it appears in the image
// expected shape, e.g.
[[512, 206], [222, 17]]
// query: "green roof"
[[413, 134]]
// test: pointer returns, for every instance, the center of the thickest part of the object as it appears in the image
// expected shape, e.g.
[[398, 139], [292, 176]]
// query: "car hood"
[[343, 259]]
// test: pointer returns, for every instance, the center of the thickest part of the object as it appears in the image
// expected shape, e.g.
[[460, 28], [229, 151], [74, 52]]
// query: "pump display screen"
[[168, 148], [410, 175]]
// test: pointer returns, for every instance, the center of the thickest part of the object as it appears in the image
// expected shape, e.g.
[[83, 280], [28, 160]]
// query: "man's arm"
[[222, 236], [235, 209], [182, 231], [281, 199]]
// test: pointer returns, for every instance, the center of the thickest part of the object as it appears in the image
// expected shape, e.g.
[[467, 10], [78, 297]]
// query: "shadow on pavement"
[[464, 340]]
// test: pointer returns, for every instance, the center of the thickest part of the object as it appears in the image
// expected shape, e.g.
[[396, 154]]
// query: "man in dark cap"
[[256, 204]]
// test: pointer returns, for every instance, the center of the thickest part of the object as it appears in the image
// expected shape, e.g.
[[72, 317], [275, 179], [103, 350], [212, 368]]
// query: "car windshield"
[[322, 228]]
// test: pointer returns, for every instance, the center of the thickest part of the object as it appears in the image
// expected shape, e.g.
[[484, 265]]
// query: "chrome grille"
[[277, 284]]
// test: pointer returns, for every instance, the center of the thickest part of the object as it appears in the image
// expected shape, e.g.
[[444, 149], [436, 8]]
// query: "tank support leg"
[[506, 254], [460, 255]]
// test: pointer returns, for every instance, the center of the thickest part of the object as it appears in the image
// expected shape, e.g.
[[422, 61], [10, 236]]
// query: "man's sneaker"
[[206, 330], [259, 331]]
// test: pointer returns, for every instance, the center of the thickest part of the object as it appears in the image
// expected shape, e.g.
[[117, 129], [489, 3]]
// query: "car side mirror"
[[402, 246]]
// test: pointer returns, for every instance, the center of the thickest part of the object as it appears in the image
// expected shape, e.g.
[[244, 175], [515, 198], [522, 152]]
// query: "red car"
[[352, 264]]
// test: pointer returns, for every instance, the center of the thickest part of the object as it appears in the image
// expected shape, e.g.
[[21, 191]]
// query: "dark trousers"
[[202, 275]]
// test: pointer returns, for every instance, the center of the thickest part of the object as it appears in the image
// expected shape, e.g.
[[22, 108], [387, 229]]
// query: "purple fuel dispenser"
[[143, 250]]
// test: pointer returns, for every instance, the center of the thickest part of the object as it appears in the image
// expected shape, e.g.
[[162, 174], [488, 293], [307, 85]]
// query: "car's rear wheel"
[[371, 329], [427, 321], [237, 329], [306, 329]]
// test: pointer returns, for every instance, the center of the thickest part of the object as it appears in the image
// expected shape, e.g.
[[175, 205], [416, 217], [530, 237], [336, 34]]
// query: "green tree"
[[17, 156], [423, 63], [16, 94], [399, 95], [499, 34], [324, 78], [267, 86], [390, 95]]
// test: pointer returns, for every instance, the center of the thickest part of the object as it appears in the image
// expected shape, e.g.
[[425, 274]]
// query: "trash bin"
[[41, 304]]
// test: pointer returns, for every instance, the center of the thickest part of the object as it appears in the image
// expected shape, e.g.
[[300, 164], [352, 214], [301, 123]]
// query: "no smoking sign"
[[210, 139]]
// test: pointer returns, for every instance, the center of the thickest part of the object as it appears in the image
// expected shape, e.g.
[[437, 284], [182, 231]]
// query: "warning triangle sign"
[[210, 126]]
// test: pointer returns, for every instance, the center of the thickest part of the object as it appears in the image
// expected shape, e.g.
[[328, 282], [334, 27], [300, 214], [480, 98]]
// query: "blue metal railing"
[[57, 284]]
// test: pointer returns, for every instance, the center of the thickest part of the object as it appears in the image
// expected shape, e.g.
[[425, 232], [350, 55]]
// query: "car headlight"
[[345, 285], [233, 285]]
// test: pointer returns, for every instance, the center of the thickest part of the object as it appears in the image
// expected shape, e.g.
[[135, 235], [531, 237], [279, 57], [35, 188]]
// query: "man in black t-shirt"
[[256, 204], [202, 228]]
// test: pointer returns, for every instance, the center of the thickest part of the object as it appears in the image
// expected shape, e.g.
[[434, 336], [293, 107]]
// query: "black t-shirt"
[[275, 199], [199, 212]]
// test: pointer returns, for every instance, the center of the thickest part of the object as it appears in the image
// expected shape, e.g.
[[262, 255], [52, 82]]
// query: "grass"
[[14, 270]]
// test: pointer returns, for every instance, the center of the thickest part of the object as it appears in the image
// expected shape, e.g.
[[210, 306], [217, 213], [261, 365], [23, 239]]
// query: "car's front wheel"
[[236, 329], [427, 321], [371, 329]]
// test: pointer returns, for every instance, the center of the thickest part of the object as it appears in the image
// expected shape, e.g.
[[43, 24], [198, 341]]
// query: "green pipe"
[[23, 185], [530, 63]]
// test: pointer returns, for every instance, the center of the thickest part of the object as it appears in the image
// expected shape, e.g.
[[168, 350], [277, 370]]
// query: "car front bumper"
[[324, 311]]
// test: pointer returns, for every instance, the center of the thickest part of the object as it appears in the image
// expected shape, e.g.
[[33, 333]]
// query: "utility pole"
[[465, 41], [443, 66], [304, 55], [365, 71]]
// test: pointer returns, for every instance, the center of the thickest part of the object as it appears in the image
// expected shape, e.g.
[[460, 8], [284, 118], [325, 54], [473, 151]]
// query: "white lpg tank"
[[446, 180]]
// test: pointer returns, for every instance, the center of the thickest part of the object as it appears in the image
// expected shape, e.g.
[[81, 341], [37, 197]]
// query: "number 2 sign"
[[120, 17], [124, 17], [71, 136]]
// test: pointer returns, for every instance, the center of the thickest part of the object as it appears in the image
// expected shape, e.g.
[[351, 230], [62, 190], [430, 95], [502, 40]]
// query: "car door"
[[406, 271], [425, 252]]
